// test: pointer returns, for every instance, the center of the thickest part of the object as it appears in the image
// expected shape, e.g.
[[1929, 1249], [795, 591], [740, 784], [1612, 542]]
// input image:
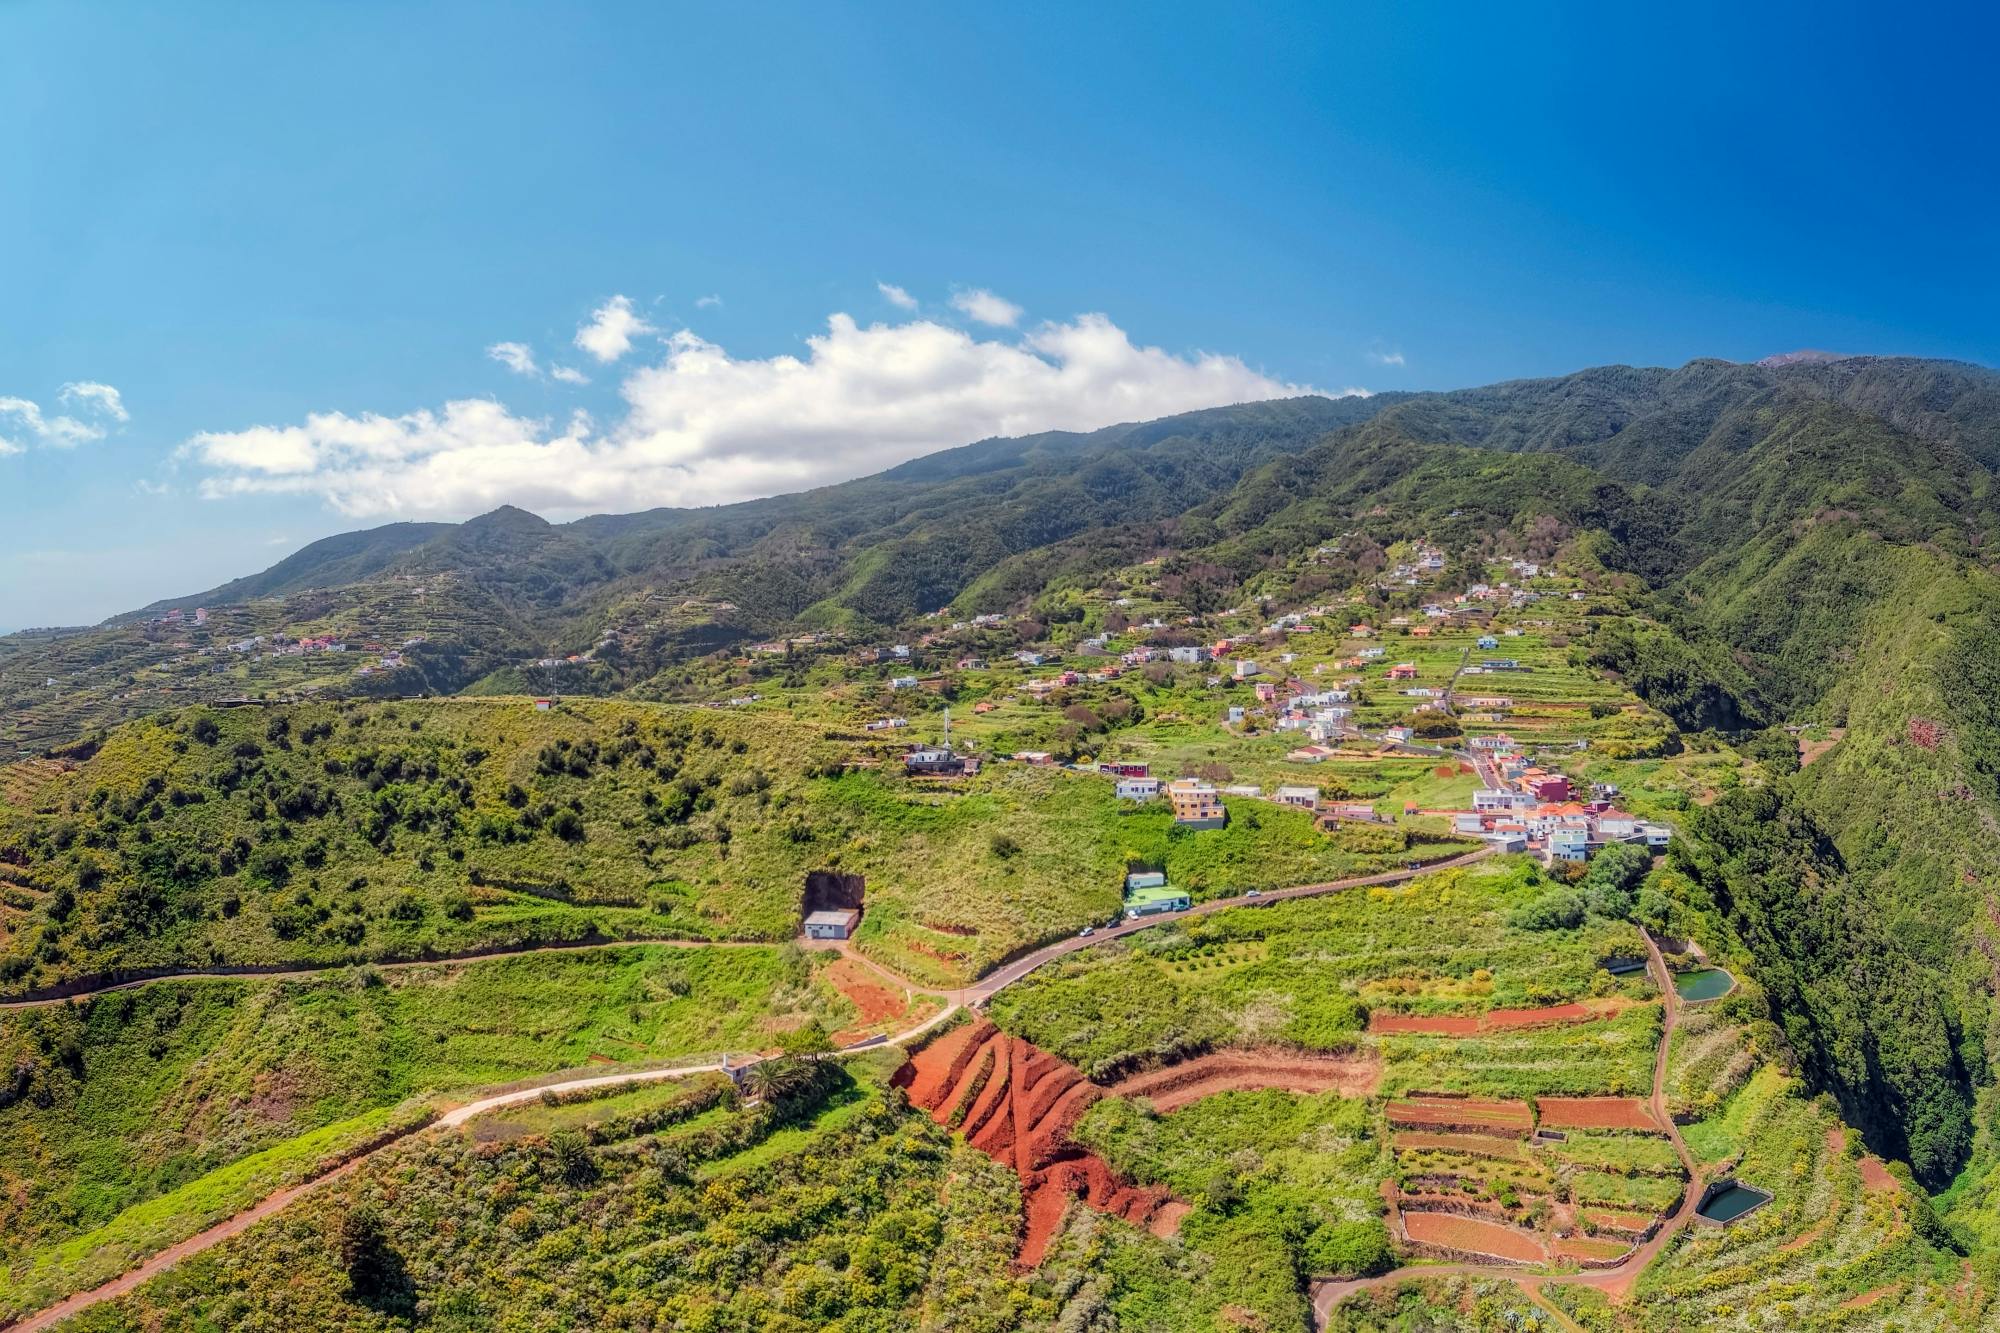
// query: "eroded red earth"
[[1017, 1104]]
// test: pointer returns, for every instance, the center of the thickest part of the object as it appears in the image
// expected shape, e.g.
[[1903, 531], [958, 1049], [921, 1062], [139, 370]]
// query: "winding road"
[[969, 996], [1616, 1280]]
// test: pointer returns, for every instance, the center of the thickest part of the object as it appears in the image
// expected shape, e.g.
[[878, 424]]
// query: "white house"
[[1138, 789]]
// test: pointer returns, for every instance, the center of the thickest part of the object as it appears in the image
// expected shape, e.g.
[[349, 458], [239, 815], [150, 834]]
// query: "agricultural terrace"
[[1283, 1185], [1515, 1028], [1844, 1243], [141, 1116], [1309, 974]]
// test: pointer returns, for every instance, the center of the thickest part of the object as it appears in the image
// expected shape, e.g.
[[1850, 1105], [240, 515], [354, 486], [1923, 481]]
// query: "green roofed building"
[[1154, 899]]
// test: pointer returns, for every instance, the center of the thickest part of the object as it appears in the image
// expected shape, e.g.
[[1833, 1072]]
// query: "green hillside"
[[1758, 599]]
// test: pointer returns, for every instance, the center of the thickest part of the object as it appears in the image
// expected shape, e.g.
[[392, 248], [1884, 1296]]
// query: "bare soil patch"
[[1471, 1235], [1811, 750], [1174, 1086], [875, 1002], [1585, 1249], [1496, 1020], [1875, 1176], [1596, 1113], [1017, 1104]]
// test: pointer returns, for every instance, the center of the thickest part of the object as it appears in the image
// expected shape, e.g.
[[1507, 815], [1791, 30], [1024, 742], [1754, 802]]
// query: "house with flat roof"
[[1196, 804], [832, 925], [1569, 844], [1154, 899], [1305, 798]]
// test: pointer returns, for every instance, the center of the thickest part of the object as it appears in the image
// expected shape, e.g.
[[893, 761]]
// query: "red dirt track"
[[1020, 1113], [1175, 1086]]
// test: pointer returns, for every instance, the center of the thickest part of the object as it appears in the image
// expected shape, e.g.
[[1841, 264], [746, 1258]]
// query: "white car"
[[1254, 893], [1086, 932]]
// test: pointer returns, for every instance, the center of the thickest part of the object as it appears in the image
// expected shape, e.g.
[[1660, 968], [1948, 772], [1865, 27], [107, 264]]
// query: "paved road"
[[1616, 1280], [978, 993]]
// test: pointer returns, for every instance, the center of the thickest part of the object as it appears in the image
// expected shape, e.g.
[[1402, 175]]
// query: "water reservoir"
[[1710, 983], [1728, 1201]]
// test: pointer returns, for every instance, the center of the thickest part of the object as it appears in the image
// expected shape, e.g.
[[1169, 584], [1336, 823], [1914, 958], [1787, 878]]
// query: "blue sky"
[[263, 224]]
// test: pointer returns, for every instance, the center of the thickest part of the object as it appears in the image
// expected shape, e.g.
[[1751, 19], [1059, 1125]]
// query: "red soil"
[[1465, 1114], [1476, 1145], [1411, 1024], [1022, 1114], [1596, 1113], [875, 1001], [1466, 1025], [1176, 1085], [1586, 1249], [1471, 1235], [1875, 1176]]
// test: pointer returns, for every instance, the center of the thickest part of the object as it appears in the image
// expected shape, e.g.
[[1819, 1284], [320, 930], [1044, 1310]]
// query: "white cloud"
[[896, 296], [517, 357], [710, 302], [982, 305], [704, 427], [1382, 358], [99, 399], [611, 329], [568, 375], [29, 426]]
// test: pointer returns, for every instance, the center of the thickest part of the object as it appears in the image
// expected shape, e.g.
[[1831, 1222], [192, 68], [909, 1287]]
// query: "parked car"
[[1086, 932], [1254, 893]]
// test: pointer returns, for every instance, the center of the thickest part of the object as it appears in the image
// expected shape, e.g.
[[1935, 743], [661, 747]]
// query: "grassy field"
[[1282, 1186]]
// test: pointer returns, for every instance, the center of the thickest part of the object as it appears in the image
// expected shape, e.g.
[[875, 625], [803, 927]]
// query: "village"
[[1358, 720]]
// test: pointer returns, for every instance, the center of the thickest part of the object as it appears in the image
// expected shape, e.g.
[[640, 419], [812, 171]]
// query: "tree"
[[372, 1267], [571, 1154]]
